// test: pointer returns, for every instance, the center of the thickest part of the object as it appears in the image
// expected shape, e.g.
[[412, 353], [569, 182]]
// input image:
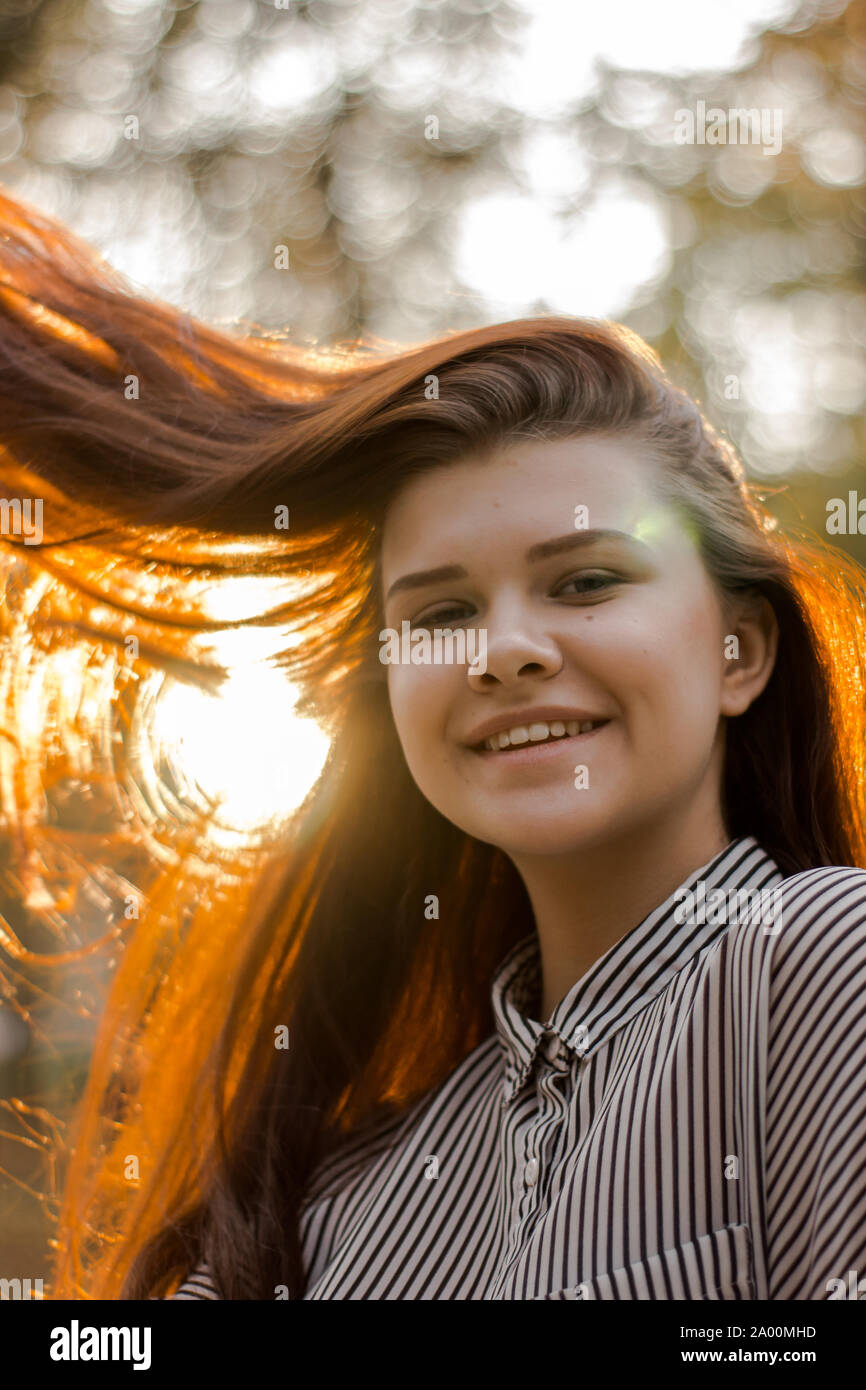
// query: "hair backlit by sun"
[[244, 746]]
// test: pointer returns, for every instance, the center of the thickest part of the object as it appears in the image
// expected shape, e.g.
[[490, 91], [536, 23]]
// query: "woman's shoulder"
[[807, 933], [814, 943], [384, 1134], [821, 902], [197, 1285], [846, 876], [804, 906]]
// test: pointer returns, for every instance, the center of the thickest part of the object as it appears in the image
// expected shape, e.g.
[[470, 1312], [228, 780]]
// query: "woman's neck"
[[585, 901]]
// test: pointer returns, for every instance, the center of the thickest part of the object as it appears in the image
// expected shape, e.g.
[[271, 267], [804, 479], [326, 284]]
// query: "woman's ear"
[[749, 651]]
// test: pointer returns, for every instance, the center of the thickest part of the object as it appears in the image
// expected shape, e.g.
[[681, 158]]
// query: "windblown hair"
[[164, 450]]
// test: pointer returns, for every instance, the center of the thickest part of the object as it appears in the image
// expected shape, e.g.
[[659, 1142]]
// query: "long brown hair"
[[159, 445]]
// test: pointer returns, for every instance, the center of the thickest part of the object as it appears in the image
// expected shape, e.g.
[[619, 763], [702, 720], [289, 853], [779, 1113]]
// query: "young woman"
[[557, 987]]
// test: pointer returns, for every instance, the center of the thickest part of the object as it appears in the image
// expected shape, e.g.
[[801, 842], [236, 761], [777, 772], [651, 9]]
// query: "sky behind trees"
[[395, 170]]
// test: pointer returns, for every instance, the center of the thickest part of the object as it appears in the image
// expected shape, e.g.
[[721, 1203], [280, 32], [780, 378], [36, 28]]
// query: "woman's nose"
[[515, 649]]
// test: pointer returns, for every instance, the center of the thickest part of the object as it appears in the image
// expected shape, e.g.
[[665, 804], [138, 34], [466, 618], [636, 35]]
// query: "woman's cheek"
[[420, 700]]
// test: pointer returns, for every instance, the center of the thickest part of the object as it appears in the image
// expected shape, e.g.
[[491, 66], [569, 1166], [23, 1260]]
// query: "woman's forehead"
[[524, 493]]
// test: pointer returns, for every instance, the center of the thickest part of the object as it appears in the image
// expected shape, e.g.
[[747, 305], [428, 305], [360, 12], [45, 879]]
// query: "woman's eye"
[[594, 582], [600, 581], [439, 618]]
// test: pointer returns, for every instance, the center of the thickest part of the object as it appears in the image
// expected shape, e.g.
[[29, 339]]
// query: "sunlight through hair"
[[243, 748]]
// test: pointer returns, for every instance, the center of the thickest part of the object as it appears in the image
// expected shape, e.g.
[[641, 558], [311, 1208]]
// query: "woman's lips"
[[528, 753]]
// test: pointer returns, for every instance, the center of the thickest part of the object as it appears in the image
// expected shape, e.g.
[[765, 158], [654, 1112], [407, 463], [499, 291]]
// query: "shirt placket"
[[534, 1143], [552, 1087]]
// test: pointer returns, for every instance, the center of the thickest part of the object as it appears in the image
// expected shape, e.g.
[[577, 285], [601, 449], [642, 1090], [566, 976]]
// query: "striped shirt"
[[689, 1123]]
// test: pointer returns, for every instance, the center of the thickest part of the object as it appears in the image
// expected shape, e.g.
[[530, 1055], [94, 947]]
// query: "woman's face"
[[595, 606]]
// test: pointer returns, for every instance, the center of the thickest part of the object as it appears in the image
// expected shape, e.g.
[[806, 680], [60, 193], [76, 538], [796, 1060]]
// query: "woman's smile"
[[539, 742]]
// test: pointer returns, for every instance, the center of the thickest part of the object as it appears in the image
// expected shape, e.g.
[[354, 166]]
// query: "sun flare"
[[244, 746]]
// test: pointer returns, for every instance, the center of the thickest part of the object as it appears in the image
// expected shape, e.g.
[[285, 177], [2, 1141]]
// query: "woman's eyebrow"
[[572, 540]]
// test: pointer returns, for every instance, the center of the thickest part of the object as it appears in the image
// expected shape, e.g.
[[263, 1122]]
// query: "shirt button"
[[531, 1173]]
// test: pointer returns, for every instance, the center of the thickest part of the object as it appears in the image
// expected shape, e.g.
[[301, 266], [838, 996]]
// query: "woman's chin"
[[554, 833]]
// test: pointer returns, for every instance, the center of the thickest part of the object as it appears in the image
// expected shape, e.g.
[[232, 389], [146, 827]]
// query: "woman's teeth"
[[538, 732]]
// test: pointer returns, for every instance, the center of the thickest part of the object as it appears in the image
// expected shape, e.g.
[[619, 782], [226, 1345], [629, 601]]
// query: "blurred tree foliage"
[[190, 141]]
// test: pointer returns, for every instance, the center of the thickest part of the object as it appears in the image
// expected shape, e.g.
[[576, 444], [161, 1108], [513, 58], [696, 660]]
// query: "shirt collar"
[[631, 973]]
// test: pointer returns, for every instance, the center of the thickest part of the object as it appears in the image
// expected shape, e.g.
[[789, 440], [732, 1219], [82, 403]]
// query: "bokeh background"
[[393, 169]]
